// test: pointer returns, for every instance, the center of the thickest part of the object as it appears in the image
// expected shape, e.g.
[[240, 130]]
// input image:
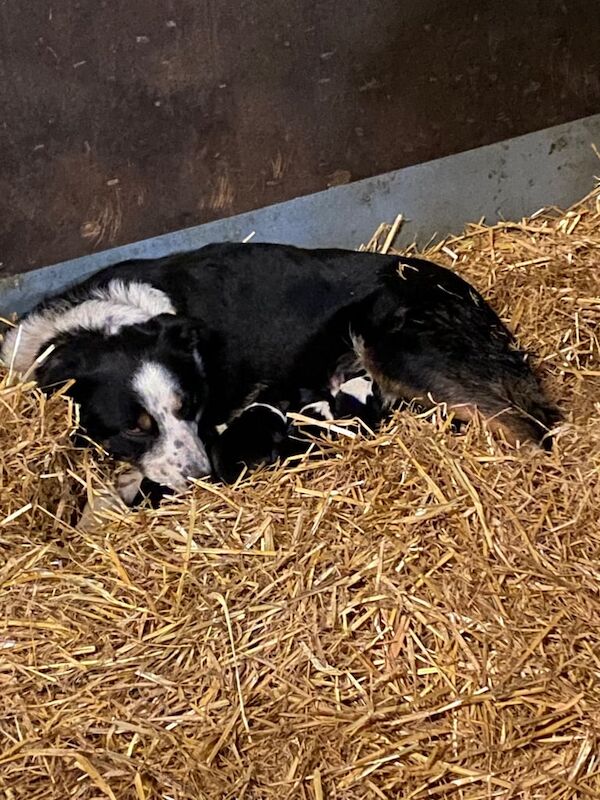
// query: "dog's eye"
[[145, 422], [145, 425]]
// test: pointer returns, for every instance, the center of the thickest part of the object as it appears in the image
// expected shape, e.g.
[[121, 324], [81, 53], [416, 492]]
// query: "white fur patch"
[[321, 407], [108, 309], [266, 405], [128, 485], [359, 388], [178, 453]]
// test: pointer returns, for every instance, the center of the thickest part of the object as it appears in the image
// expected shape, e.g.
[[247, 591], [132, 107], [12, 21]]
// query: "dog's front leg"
[[126, 490]]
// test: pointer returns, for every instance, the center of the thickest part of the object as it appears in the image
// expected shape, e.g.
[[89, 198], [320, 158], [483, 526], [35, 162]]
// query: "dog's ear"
[[64, 363], [184, 336], [181, 333]]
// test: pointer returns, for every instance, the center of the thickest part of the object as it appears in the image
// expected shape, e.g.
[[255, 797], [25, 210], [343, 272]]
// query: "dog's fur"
[[183, 343]]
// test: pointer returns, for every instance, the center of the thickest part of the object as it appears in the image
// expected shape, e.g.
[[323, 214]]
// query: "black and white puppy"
[[164, 351], [262, 434], [256, 436]]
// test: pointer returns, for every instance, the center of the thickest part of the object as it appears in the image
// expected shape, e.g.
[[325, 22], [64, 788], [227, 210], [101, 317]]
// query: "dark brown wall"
[[121, 121]]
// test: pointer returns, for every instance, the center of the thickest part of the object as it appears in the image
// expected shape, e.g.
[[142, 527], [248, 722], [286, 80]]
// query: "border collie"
[[166, 351]]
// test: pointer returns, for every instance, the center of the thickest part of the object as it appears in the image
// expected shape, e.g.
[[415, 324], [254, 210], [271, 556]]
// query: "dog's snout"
[[199, 469], [178, 457]]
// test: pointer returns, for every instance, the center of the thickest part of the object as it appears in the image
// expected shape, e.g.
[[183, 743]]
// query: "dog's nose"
[[198, 469]]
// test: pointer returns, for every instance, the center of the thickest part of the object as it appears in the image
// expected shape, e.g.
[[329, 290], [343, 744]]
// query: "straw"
[[412, 614]]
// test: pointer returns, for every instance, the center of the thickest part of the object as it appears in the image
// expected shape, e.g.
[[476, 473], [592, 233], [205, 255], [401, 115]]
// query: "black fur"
[[263, 434], [255, 437]]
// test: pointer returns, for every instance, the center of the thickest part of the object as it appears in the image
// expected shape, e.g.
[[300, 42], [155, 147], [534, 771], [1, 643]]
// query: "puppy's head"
[[141, 393], [255, 437]]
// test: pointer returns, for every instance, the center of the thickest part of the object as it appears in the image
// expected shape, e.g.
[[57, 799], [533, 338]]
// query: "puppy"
[[256, 436], [261, 434]]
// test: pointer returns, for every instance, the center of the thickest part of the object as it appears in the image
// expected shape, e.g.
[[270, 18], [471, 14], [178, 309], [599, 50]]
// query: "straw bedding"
[[416, 614]]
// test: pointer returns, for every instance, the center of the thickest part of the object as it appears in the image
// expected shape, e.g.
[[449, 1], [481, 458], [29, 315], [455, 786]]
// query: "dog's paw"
[[92, 518], [128, 485]]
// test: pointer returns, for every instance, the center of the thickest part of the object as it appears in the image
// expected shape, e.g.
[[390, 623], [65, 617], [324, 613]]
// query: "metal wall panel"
[[122, 121]]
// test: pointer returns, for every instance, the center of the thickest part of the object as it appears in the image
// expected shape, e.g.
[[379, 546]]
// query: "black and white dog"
[[166, 352]]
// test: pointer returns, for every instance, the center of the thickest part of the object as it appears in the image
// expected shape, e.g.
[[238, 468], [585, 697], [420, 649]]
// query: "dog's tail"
[[521, 410], [517, 408], [513, 405]]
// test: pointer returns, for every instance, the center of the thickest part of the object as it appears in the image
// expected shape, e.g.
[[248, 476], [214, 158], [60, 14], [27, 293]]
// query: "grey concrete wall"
[[507, 180]]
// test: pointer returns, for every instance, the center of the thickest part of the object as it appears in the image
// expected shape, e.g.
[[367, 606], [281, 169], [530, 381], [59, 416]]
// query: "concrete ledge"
[[507, 180]]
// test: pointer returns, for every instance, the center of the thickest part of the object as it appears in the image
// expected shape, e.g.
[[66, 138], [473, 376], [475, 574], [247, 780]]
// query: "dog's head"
[[141, 392]]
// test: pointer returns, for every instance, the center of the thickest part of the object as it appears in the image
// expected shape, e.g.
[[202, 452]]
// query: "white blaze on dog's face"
[[177, 453]]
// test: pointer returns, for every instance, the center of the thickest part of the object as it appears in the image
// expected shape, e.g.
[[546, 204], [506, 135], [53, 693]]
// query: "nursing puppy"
[[164, 351], [262, 434]]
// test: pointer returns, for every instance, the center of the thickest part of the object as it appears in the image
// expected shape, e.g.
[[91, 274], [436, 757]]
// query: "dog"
[[164, 351]]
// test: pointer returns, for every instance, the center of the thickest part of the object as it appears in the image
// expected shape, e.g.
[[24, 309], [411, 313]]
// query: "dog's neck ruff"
[[107, 309]]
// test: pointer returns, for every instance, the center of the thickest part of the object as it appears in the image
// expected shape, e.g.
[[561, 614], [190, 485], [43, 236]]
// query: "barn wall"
[[126, 121]]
